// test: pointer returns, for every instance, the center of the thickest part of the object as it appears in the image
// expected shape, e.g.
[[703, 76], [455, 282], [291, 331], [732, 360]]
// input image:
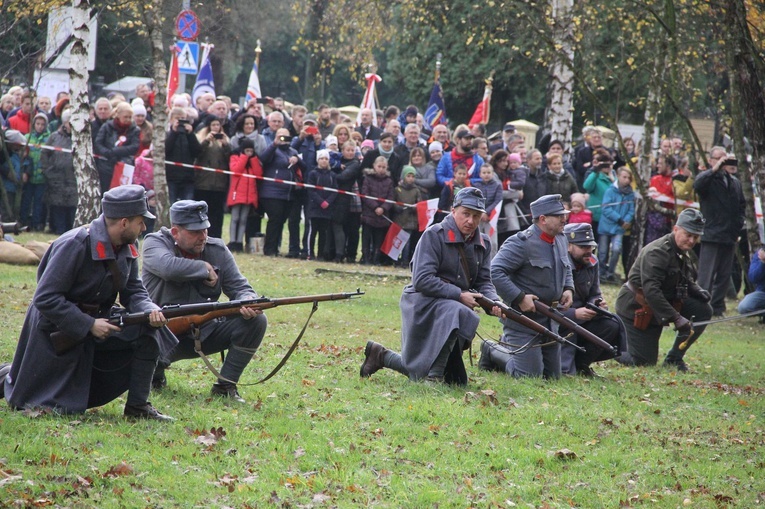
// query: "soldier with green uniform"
[[661, 289]]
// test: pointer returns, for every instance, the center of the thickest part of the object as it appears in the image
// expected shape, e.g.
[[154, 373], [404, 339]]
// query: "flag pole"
[[489, 81], [258, 51], [438, 68], [373, 70]]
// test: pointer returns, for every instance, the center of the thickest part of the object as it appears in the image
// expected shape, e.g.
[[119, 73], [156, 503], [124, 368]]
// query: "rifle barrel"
[[518, 317], [559, 317]]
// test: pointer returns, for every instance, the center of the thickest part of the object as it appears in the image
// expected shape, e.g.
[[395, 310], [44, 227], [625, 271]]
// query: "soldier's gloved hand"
[[701, 294], [682, 324]]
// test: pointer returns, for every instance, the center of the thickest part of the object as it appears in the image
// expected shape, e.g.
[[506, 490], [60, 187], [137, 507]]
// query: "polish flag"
[[369, 98], [173, 77], [122, 176], [426, 211], [483, 110], [394, 242], [493, 218]]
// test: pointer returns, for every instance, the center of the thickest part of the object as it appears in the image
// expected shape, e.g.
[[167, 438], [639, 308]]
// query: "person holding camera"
[[307, 143], [181, 146], [661, 289], [722, 203], [280, 161], [212, 186]]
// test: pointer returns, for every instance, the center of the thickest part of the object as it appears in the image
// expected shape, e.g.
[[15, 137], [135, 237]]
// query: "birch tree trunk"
[[653, 105], [88, 183], [560, 107], [152, 18], [747, 78]]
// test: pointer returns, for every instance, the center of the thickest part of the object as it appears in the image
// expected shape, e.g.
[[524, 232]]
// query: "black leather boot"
[[374, 359]]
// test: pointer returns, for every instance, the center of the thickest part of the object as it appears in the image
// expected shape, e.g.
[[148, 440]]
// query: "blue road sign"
[[188, 57], [187, 25]]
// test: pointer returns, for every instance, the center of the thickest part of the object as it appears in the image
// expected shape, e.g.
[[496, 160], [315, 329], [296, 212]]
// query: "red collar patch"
[[100, 250], [133, 251], [547, 238], [452, 237]]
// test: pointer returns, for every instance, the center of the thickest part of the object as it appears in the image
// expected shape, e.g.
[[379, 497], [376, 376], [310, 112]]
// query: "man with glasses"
[[532, 264]]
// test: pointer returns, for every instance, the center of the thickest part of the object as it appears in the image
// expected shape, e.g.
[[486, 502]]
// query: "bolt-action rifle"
[[183, 317]]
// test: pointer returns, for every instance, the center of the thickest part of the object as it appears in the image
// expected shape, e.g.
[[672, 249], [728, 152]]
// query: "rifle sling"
[[198, 350]]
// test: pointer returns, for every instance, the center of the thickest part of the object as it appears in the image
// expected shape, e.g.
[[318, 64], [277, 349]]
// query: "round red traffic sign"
[[187, 25]]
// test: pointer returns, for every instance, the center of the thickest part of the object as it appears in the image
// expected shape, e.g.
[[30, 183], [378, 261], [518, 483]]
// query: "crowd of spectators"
[[390, 154]]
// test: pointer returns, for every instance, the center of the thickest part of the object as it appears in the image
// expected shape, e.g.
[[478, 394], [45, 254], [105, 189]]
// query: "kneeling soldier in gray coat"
[[530, 265], [437, 317], [78, 282], [182, 265]]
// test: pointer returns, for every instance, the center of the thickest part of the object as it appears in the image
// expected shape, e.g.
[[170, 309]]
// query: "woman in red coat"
[[242, 190]]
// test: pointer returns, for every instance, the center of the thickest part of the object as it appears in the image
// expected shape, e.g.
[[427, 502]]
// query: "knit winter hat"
[[407, 170], [246, 143], [436, 146], [323, 153], [514, 157], [367, 144], [139, 109], [579, 198]]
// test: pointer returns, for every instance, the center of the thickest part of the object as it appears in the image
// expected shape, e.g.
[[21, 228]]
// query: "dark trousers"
[[61, 218], [277, 211], [180, 191], [352, 227], [297, 206], [372, 238], [216, 206], [572, 360], [239, 336], [32, 204], [643, 345], [715, 265], [121, 365], [319, 227]]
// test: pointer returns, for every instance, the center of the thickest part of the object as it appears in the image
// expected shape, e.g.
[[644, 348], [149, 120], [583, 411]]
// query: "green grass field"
[[317, 435]]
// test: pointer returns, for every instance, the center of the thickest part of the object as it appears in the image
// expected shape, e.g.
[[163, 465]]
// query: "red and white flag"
[[493, 218], [173, 77], [483, 110], [123, 175], [394, 242], [369, 101], [426, 211]]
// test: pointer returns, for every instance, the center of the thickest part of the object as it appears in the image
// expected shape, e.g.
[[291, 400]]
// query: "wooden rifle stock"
[[182, 317], [518, 317], [183, 324], [562, 319]]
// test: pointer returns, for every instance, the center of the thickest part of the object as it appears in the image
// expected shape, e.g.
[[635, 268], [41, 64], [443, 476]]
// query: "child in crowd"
[[378, 184], [618, 211], [242, 191], [406, 217], [492, 192], [17, 147], [320, 207], [451, 187], [579, 214], [33, 192], [366, 146]]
